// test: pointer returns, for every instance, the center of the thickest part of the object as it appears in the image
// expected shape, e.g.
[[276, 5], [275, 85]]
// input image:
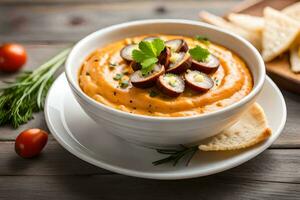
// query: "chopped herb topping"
[[202, 39], [153, 93], [199, 54], [124, 84], [147, 54], [217, 81], [118, 77]]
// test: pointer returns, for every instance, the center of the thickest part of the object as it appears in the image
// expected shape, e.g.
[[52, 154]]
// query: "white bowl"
[[163, 131]]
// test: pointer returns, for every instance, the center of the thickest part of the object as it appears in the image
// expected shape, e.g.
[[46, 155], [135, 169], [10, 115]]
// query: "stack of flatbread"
[[273, 34]]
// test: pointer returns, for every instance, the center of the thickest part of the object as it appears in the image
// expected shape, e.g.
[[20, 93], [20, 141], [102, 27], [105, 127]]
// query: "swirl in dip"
[[105, 77]]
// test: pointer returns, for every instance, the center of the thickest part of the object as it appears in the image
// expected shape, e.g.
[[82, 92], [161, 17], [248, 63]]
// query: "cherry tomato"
[[12, 57], [31, 142]]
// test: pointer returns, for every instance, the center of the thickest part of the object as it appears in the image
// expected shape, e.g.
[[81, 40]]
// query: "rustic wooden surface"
[[46, 27]]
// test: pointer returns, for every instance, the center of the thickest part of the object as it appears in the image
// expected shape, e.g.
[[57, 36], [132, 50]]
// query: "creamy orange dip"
[[97, 78]]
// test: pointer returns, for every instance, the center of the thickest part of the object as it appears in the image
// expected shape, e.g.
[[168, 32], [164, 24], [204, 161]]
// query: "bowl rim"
[[75, 87]]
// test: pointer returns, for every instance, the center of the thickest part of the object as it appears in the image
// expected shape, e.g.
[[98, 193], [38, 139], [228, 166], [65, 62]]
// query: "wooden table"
[[45, 27]]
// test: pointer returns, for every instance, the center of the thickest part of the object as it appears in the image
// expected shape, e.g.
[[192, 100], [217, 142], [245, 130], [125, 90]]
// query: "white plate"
[[80, 135]]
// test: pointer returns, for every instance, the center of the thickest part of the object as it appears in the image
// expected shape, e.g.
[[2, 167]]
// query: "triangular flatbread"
[[293, 11], [248, 22], [295, 58], [251, 129], [279, 33]]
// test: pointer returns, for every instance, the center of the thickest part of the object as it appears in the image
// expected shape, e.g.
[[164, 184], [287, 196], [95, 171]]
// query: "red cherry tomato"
[[12, 57], [31, 142]]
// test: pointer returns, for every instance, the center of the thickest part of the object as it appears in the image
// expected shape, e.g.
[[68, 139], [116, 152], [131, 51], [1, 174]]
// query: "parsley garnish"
[[202, 39], [199, 54], [147, 54], [118, 77], [124, 84]]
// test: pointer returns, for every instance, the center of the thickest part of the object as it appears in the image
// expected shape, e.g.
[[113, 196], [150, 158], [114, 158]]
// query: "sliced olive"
[[209, 66], [198, 81], [164, 57], [150, 38], [177, 45], [143, 81], [179, 62], [171, 84], [126, 52], [135, 66]]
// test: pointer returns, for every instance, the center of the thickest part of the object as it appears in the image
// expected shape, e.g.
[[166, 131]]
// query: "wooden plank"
[[122, 187], [290, 135], [39, 53], [273, 165], [272, 175], [256, 7], [70, 22]]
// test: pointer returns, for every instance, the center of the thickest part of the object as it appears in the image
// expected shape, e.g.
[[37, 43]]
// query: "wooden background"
[[45, 27]]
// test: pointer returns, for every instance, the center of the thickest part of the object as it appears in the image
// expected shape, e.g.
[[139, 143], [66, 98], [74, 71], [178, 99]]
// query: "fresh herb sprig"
[[198, 53], [175, 155], [148, 53], [25, 95]]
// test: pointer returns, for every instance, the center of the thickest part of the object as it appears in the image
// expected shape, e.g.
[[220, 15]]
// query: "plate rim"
[[158, 175]]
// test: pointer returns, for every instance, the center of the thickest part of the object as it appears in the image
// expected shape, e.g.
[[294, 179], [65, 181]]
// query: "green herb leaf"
[[147, 54], [198, 53], [118, 77], [138, 55], [147, 48], [159, 46], [124, 84], [202, 39], [147, 70], [148, 62]]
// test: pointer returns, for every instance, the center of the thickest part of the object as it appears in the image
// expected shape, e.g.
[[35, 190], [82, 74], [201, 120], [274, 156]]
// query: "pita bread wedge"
[[253, 37], [279, 33], [293, 11], [249, 130], [295, 59], [248, 22]]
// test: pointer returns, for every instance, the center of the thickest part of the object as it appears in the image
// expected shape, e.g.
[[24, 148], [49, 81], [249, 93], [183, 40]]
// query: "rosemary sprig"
[[175, 155], [25, 95]]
